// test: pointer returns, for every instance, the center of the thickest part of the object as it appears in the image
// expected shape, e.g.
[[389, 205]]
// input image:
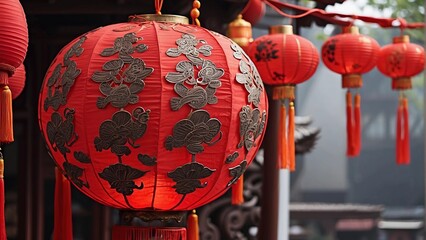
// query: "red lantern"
[[351, 54], [153, 116], [254, 11], [401, 61], [284, 60], [17, 82], [13, 48]]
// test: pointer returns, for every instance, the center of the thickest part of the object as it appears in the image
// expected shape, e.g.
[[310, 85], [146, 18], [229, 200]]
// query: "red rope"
[[158, 6], [336, 18]]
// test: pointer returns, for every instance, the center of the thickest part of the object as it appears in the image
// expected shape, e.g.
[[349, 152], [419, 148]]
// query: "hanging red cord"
[[336, 18], [158, 6]]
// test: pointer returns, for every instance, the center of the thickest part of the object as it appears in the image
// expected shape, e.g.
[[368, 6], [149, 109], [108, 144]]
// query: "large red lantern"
[[284, 60], [401, 61], [153, 115], [13, 48], [17, 82], [351, 54]]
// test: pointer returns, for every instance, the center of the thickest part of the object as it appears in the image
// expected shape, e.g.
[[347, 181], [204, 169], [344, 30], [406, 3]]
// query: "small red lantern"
[[351, 54], [153, 115], [17, 82], [13, 48], [401, 61], [284, 60]]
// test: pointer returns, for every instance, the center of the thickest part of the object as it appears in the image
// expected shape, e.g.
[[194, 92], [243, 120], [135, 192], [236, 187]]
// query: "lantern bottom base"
[[147, 233], [351, 81], [149, 216], [402, 83], [283, 92]]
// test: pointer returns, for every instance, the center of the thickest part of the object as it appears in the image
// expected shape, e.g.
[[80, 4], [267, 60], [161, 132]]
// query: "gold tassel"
[[192, 226], [6, 115], [237, 197]]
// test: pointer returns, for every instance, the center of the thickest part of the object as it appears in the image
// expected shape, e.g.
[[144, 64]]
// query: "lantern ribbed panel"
[[350, 53], [17, 82], [284, 58], [13, 33], [401, 60], [159, 191]]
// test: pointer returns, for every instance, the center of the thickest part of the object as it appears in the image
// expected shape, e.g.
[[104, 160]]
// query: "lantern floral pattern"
[[153, 116]]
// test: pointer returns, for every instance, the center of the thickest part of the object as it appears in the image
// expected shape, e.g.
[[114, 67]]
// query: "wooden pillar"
[[269, 215]]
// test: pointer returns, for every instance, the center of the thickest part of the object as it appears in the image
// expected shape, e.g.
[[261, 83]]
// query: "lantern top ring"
[[159, 18], [281, 29]]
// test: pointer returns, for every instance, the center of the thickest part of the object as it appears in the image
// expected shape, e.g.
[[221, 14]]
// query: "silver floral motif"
[[204, 83], [232, 157], [236, 172], [122, 178], [249, 75], [60, 85], [60, 132], [123, 78], [123, 128], [192, 132], [187, 45], [252, 124]]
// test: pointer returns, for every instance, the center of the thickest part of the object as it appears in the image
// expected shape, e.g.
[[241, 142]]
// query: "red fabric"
[[2, 219], [399, 137], [349, 53], [350, 136], [401, 60], [140, 233], [357, 124], [62, 212], [254, 11], [406, 130], [284, 58], [291, 143], [13, 33], [158, 192], [17, 82]]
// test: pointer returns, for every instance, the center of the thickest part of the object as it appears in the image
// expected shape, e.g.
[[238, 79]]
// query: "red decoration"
[[351, 54], [13, 48], [152, 115], [254, 11], [284, 60], [401, 61], [17, 82]]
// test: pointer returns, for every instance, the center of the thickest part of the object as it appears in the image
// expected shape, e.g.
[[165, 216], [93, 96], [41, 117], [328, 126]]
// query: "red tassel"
[[406, 133], [284, 163], [399, 142], [357, 127], [238, 191], [143, 233], [6, 115], [2, 201], [350, 148], [290, 142], [192, 226], [63, 212]]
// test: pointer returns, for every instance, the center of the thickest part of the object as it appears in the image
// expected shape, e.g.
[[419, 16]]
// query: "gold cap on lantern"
[[401, 39], [281, 29], [351, 30], [240, 31], [159, 18]]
